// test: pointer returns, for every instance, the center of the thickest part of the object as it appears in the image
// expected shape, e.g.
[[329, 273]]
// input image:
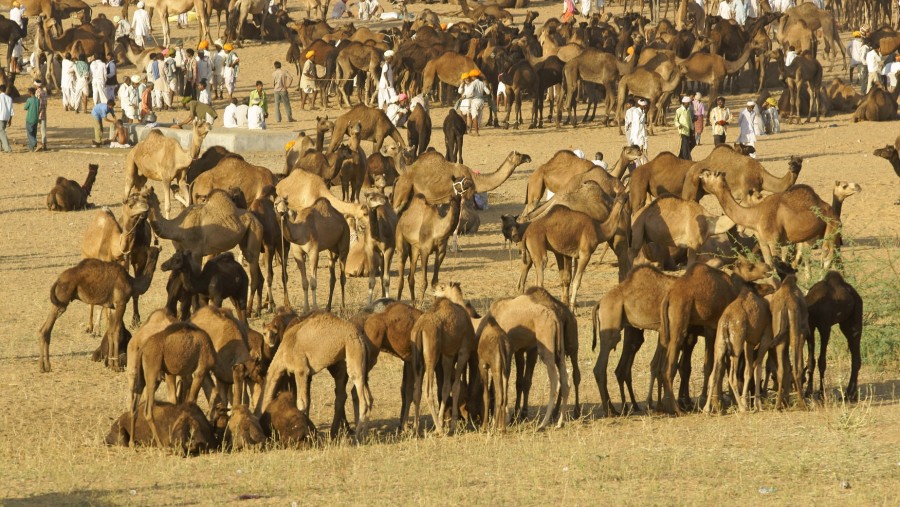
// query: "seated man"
[[120, 136], [398, 111], [255, 116], [229, 118]]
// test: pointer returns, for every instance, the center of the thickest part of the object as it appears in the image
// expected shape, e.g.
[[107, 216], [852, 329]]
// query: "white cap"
[[685, 99], [140, 5], [578, 153], [642, 102], [389, 53], [751, 103], [135, 79]]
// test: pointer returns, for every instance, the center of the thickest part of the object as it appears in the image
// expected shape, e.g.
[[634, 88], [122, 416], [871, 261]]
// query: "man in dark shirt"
[[199, 112]]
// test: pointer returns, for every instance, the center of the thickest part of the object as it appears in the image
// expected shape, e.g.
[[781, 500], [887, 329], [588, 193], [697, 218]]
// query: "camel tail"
[[52, 203], [135, 393], [54, 299], [664, 321], [595, 327]]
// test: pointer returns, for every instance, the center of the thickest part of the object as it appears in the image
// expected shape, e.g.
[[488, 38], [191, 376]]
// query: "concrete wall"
[[236, 140]]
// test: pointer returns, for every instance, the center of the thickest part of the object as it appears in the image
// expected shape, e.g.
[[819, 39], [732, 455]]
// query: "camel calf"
[[494, 363], [184, 428], [243, 430], [285, 424]]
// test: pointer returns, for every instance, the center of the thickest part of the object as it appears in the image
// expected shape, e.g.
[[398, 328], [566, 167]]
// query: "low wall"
[[236, 140]]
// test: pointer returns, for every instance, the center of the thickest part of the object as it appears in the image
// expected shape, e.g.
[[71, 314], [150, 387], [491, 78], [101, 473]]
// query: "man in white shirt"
[[857, 49], [873, 66], [636, 125], [890, 72], [140, 23], [67, 83], [740, 13], [17, 14], [255, 117], [747, 123], [98, 80], [229, 118], [789, 56], [398, 111], [123, 29], [725, 10], [6, 114]]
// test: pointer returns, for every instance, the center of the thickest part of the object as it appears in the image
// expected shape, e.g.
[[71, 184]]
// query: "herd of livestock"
[[739, 289]]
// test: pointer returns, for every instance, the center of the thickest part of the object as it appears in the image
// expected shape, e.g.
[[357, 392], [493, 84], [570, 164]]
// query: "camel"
[[304, 144], [744, 174], [157, 322], [432, 176], [565, 171], [317, 228], [443, 335], [572, 236], [878, 105], [166, 8], [892, 155], [834, 301], [651, 86], [232, 172], [376, 126], [674, 222], [418, 130], [68, 195], [422, 231], [664, 174], [454, 133], [377, 233], [284, 424], [229, 340], [697, 299], [790, 324], [354, 170], [711, 69], [806, 71], [237, 16], [320, 341], [137, 55], [243, 432], [446, 68], [183, 428], [591, 66], [795, 216], [96, 282], [843, 97], [745, 328], [212, 228], [352, 59], [303, 189], [326, 166], [494, 353], [162, 159], [75, 40], [817, 19], [222, 277]]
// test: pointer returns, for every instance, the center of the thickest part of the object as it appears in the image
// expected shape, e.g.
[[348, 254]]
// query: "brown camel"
[[843, 97], [68, 195], [418, 130], [212, 228], [834, 301], [671, 221], [376, 127], [96, 282], [326, 166], [158, 321], [494, 353], [231, 173], [183, 428], [162, 159], [878, 105], [432, 177], [663, 175], [323, 341], [591, 66], [892, 155], [354, 58], [422, 231], [76, 40], [303, 189], [229, 340], [378, 235], [443, 335], [790, 324], [565, 171], [572, 236], [446, 69], [817, 19], [317, 228], [804, 71], [651, 86], [711, 69], [795, 216], [166, 8], [303, 144], [284, 424], [697, 299], [744, 174], [274, 245], [354, 170]]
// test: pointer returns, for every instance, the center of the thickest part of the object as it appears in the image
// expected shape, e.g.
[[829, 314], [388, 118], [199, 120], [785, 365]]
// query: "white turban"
[[389, 53], [578, 153]]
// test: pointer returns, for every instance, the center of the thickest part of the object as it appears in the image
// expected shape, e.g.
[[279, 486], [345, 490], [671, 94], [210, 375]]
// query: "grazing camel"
[[891, 154], [796, 216], [494, 353], [443, 335], [317, 228], [161, 158], [96, 282], [229, 339], [243, 431], [422, 231], [834, 301], [432, 176], [698, 298], [572, 236], [68, 195], [182, 427], [323, 341], [674, 222]]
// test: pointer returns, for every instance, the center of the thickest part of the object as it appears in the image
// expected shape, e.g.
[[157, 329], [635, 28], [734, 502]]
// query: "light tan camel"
[[313, 230], [651, 86], [432, 176], [572, 236], [376, 127], [796, 216], [137, 55], [303, 189], [166, 8], [711, 69], [162, 159], [158, 321], [234, 173], [303, 144], [817, 19], [743, 174], [558, 175], [210, 229], [446, 69], [229, 339], [378, 235], [444, 334], [422, 231], [591, 66], [697, 299], [494, 355], [790, 325], [671, 221]]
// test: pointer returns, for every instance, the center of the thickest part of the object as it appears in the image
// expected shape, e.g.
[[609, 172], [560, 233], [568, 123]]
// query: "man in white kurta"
[[747, 124], [98, 81], [636, 125], [140, 23], [67, 83], [386, 92]]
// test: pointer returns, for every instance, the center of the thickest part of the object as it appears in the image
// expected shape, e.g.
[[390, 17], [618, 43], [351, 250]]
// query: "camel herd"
[[739, 288]]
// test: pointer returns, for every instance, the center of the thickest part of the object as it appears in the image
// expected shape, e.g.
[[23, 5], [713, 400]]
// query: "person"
[[599, 162], [256, 116], [17, 15], [147, 100], [770, 117], [473, 93], [747, 125], [790, 56], [683, 122], [752, 9], [568, 10], [82, 78], [16, 56], [199, 113], [189, 79], [725, 10], [120, 136], [242, 112], [308, 81], [398, 111], [740, 13], [873, 66], [856, 49], [41, 95], [203, 93], [229, 117], [100, 113], [202, 67], [386, 92], [123, 29], [32, 108], [262, 99], [130, 98], [67, 83], [217, 59], [98, 80], [719, 117], [6, 114], [339, 9], [368, 9], [140, 23], [168, 87], [181, 57], [699, 117], [636, 124], [230, 71], [281, 83], [112, 78]]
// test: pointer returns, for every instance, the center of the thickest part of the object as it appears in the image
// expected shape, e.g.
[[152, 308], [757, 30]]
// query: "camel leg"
[[563, 388], [744, 400], [676, 341], [609, 338], [781, 351], [824, 335], [634, 338], [715, 378], [526, 267], [853, 333], [406, 386], [304, 281], [332, 278], [424, 259], [462, 361], [114, 334], [553, 376], [388, 255], [339, 422], [404, 254], [448, 368], [576, 283], [46, 330], [519, 359], [314, 280], [90, 324]]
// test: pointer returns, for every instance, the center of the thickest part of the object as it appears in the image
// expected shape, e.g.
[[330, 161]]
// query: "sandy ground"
[[52, 425]]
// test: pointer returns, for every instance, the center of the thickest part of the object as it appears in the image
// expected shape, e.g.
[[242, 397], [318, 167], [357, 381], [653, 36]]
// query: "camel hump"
[[224, 257], [60, 180], [322, 205]]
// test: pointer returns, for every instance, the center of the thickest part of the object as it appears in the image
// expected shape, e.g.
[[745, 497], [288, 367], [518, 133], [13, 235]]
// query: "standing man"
[[98, 80], [6, 114], [747, 123], [32, 109], [719, 117], [82, 78], [683, 121], [202, 67], [217, 58], [308, 81], [100, 113], [230, 69], [699, 110], [140, 23], [262, 100], [112, 78], [386, 92], [282, 83], [67, 83], [339, 10], [725, 10], [636, 126], [873, 66], [17, 15], [128, 96], [857, 49], [170, 74], [740, 13], [41, 95]]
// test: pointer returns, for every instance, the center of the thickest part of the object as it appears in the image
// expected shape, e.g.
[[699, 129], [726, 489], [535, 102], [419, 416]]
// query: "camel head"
[[746, 149], [795, 164], [714, 182], [844, 189], [137, 202], [749, 270], [178, 261], [275, 328], [519, 158], [462, 186], [888, 152], [374, 198], [632, 152], [281, 205], [391, 150], [449, 290]]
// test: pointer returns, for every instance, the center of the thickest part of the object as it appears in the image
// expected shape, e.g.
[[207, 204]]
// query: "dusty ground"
[[52, 425]]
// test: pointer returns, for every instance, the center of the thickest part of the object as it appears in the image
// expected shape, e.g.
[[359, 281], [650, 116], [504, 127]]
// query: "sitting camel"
[[317, 228], [183, 428], [68, 195], [161, 158], [878, 105]]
